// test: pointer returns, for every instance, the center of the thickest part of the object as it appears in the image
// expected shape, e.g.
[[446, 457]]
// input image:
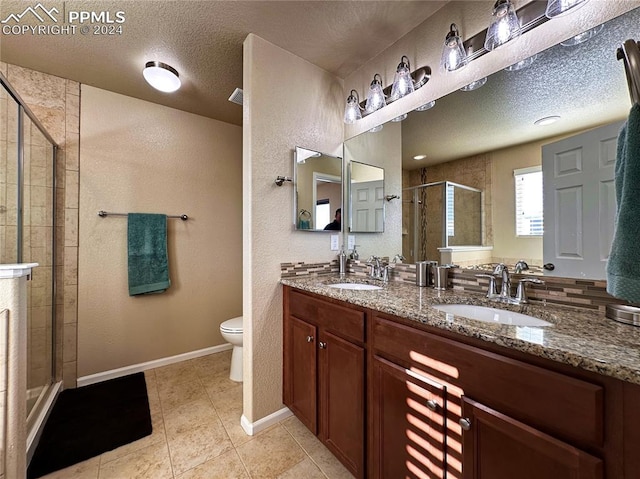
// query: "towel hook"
[[282, 179]]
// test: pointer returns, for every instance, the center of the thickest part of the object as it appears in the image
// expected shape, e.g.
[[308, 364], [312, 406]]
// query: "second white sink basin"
[[491, 315], [356, 286]]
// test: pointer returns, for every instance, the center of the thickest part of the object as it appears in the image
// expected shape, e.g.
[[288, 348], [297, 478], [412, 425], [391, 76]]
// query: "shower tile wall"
[[56, 103]]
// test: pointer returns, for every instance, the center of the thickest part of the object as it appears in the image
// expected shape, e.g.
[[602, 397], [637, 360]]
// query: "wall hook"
[[282, 179], [391, 197]]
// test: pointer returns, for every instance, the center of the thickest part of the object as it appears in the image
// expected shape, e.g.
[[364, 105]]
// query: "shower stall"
[[440, 215], [27, 235]]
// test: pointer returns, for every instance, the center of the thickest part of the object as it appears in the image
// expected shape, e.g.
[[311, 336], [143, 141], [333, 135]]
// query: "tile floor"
[[196, 410]]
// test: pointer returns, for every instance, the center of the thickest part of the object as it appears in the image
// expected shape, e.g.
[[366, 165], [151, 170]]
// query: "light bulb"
[[375, 97], [402, 82]]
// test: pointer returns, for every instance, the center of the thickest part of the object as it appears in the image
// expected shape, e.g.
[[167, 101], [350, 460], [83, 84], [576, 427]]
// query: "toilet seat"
[[232, 326]]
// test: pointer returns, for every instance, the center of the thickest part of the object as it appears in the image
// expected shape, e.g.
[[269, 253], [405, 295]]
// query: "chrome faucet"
[[379, 270], [502, 271], [505, 288]]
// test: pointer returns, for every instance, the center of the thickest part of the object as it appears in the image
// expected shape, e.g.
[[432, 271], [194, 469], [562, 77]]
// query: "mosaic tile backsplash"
[[580, 293]]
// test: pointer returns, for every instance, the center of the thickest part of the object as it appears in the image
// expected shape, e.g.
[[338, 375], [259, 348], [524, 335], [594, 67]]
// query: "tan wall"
[[142, 157], [288, 102]]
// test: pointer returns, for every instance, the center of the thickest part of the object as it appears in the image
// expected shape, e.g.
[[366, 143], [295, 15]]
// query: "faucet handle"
[[493, 289], [521, 293], [500, 268], [398, 258]]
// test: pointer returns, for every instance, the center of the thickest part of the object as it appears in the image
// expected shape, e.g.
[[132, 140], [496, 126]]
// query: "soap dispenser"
[[342, 257]]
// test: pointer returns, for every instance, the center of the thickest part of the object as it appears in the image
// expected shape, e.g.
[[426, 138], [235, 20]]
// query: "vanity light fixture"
[[161, 76], [474, 85], [375, 97], [522, 64], [504, 25], [454, 55], [419, 157], [556, 8], [352, 108], [547, 120], [402, 81], [426, 106], [582, 37]]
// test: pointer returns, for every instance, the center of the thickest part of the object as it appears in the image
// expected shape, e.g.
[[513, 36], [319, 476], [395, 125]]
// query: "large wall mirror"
[[366, 198], [318, 190], [481, 138]]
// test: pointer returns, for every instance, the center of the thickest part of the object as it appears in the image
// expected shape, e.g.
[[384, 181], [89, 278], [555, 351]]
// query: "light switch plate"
[[351, 241], [335, 242]]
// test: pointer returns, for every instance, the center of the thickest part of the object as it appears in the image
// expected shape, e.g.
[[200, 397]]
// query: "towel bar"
[[104, 214]]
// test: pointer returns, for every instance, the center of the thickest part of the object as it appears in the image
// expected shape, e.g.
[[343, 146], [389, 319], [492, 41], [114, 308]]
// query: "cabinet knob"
[[309, 339], [465, 423], [323, 345], [432, 404]]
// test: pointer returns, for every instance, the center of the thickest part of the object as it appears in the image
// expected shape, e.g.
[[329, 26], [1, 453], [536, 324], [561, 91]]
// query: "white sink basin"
[[356, 286], [491, 315]]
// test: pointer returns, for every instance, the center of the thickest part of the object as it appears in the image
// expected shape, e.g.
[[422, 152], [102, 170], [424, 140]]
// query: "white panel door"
[[579, 202], [367, 206]]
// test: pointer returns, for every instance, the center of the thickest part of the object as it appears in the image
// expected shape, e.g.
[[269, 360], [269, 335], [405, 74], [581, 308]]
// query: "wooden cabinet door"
[[409, 424], [301, 364], [496, 446], [342, 386]]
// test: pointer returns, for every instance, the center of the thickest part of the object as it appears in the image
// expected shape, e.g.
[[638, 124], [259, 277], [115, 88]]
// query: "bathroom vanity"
[[395, 388]]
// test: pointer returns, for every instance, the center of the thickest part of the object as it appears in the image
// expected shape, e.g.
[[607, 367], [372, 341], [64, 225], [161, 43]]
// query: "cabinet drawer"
[[340, 320], [553, 402]]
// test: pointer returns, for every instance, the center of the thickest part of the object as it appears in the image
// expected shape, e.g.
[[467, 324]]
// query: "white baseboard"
[[156, 363], [252, 428]]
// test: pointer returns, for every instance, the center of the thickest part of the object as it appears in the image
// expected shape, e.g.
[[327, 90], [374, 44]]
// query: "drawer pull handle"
[[465, 423], [432, 404], [323, 345], [309, 339]]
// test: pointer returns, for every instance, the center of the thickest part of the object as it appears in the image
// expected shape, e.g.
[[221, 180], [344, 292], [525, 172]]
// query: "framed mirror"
[[480, 138], [318, 191], [366, 198]]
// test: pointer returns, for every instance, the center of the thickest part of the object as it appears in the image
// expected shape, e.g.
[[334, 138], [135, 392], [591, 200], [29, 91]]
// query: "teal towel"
[[148, 263], [623, 266]]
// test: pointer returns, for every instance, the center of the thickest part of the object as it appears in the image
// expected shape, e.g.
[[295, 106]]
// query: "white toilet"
[[231, 331]]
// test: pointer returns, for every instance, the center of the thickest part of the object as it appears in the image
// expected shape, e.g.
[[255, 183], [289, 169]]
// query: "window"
[[529, 201], [450, 210]]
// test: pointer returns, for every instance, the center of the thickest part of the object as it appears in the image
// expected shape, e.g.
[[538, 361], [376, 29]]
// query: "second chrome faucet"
[[501, 271]]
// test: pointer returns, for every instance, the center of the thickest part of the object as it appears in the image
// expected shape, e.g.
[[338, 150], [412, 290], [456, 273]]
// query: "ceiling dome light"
[[453, 55], [375, 97], [547, 120], [474, 85], [556, 8], [426, 106], [402, 81], [161, 76], [504, 25]]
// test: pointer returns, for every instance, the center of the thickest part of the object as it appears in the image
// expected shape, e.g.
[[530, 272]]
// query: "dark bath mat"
[[87, 421]]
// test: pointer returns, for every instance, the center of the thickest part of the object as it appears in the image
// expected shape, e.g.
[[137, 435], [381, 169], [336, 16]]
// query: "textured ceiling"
[[203, 41], [584, 84]]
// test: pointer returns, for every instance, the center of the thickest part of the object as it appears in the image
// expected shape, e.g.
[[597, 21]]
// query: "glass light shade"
[[375, 97], [426, 106], [453, 54], [522, 64], [402, 82], [161, 76], [376, 129], [474, 85], [555, 8], [582, 37], [504, 25], [400, 118], [352, 109]]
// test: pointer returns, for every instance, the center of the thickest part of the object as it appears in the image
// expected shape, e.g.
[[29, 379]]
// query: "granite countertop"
[[580, 338]]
